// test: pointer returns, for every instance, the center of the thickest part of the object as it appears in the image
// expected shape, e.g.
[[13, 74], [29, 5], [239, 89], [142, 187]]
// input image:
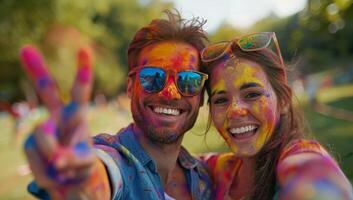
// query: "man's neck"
[[164, 155]]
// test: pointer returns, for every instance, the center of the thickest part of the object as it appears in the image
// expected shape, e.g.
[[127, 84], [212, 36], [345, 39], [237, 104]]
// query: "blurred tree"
[[120, 22], [320, 35], [20, 22], [60, 27], [315, 39], [224, 32]]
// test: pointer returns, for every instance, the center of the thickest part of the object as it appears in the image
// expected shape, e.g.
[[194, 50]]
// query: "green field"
[[335, 134]]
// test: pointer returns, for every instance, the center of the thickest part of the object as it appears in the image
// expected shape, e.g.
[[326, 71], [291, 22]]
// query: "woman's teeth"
[[241, 130], [167, 111]]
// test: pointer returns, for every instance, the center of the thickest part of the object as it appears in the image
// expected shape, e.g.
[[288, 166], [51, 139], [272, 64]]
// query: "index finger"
[[82, 87], [73, 117], [44, 84]]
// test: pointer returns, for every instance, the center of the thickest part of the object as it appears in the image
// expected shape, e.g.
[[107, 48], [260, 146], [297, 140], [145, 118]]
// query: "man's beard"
[[161, 134]]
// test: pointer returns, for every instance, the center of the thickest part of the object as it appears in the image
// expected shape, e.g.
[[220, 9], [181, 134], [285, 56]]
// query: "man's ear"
[[130, 85]]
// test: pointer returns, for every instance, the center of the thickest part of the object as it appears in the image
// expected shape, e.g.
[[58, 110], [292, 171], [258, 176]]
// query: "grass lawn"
[[335, 134]]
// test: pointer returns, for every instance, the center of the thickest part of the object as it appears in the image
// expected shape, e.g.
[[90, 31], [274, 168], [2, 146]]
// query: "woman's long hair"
[[289, 127]]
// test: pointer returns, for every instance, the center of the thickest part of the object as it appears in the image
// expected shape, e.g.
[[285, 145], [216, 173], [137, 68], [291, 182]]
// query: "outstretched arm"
[[311, 174], [59, 151]]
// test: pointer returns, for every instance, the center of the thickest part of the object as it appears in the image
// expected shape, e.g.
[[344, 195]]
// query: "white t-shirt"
[[167, 197]]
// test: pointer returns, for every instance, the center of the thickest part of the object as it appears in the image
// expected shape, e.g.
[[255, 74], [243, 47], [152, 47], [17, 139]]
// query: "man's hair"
[[174, 28]]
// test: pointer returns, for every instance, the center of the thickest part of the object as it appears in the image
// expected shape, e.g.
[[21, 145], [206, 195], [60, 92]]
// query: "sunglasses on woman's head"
[[153, 79], [251, 42]]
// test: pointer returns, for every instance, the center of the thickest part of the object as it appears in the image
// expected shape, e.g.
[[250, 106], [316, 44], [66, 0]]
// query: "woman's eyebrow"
[[218, 92], [248, 85]]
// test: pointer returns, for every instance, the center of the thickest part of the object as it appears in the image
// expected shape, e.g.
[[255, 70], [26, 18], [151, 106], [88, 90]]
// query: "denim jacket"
[[126, 160]]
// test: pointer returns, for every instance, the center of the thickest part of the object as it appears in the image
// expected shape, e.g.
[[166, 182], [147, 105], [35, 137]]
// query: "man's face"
[[166, 115]]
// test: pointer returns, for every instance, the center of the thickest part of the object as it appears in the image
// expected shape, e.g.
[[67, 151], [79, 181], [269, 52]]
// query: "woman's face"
[[244, 106]]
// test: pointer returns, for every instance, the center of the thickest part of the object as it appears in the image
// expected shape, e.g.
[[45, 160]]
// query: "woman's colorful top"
[[225, 167]]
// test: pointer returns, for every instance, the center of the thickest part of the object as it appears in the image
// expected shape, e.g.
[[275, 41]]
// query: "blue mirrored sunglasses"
[[153, 79]]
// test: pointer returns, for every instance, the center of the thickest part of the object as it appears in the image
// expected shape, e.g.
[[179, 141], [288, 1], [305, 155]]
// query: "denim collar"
[[186, 160], [128, 139]]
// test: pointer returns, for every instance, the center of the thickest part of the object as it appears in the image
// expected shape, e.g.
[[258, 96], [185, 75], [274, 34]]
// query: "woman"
[[251, 107]]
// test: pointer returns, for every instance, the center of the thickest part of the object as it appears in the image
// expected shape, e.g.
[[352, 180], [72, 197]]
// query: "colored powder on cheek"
[[218, 115], [260, 107], [223, 131], [267, 129], [260, 141], [267, 109], [255, 108]]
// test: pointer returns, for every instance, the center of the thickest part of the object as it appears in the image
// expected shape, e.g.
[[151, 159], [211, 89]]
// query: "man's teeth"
[[243, 129], [167, 111]]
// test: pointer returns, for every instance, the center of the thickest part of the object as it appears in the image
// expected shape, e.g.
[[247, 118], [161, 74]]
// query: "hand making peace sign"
[[60, 150]]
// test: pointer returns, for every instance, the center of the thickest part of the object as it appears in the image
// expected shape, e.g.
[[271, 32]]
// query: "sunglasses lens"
[[254, 41], [152, 79], [213, 52], [189, 83]]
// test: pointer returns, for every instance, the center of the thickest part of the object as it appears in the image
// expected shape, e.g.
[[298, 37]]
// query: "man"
[[144, 160]]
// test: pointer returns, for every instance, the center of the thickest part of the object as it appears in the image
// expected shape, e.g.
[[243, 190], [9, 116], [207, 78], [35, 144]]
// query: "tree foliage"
[[60, 27], [317, 38]]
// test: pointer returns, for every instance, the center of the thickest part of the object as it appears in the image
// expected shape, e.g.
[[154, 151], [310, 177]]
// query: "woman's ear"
[[284, 107]]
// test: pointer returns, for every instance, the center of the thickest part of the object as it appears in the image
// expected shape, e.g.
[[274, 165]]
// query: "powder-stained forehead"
[[170, 54], [235, 73]]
